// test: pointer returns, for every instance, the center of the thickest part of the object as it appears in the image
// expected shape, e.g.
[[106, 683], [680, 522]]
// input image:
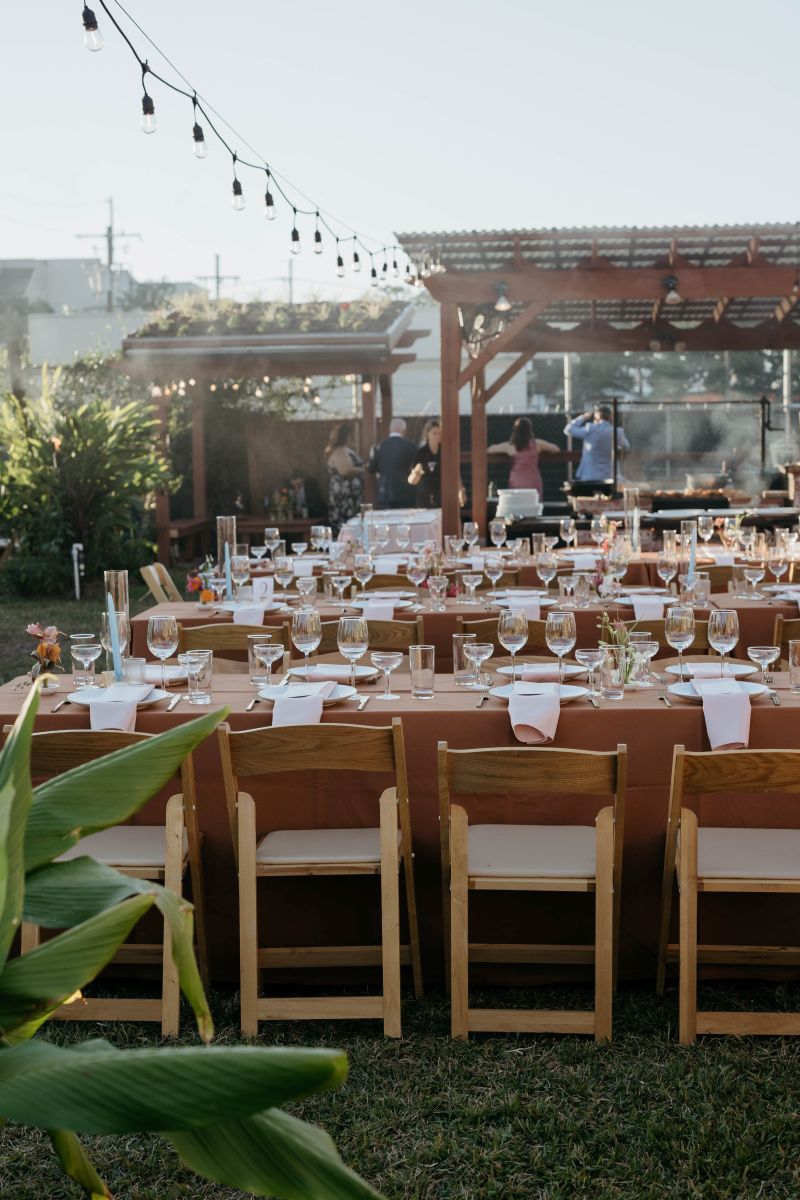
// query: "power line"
[[111, 235], [217, 279]]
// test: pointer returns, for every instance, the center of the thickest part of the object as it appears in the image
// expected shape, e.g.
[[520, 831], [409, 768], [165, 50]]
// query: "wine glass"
[[778, 561], [705, 528], [437, 589], [679, 631], [306, 632], [754, 573], [546, 568], [123, 634], [765, 656], [747, 540], [512, 634], [85, 654], [258, 553], [299, 548], [667, 568], [386, 661], [382, 535], [162, 641], [477, 653], [307, 589], [240, 571], [497, 532], [471, 582], [568, 530], [723, 632], [353, 641], [363, 570], [416, 573], [560, 634], [591, 658], [284, 573], [261, 654], [493, 569], [317, 536], [598, 530], [644, 647], [470, 533], [340, 582], [272, 537], [402, 536]]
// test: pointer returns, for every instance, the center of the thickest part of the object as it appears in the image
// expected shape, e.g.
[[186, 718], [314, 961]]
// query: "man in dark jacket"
[[392, 461]]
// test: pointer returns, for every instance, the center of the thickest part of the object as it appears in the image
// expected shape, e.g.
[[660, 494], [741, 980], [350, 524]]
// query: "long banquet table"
[[338, 911]]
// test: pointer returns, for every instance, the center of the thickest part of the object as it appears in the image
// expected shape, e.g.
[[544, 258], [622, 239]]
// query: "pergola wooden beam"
[[511, 370], [451, 436], [600, 337], [503, 340]]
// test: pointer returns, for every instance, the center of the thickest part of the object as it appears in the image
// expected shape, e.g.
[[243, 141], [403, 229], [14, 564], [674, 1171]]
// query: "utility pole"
[[217, 279], [111, 235]]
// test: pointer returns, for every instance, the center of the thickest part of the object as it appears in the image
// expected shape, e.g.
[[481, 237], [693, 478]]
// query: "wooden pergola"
[[647, 289], [371, 357]]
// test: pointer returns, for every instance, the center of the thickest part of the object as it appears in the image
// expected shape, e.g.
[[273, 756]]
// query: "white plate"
[[542, 602], [567, 693], [737, 671], [571, 671], [686, 691], [649, 591], [318, 672], [232, 606], [340, 692], [389, 593], [397, 603], [87, 695]]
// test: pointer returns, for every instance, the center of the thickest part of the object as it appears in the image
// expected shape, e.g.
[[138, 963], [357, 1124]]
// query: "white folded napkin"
[[386, 566], [648, 608], [152, 673], [529, 606], [584, 561], [248, 614], [301, 703], [707, 670], [723, 558], [117, 709], [263, 586], [533, 709], [540, 672], [726, 709], [339, 672], [302, 567], [378, 610], [476, 561]]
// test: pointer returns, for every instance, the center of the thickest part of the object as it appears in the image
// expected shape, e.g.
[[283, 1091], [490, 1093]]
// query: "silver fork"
[[60, 704]]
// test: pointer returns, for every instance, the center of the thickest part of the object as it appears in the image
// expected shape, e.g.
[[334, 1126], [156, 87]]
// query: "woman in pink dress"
[[524, 449]]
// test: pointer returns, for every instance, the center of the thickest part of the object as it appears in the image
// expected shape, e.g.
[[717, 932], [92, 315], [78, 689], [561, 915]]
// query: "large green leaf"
[[107, 791], [271, 1154], [96, 1088], [62, 894], [38, 982], [15, 803], [77, 1164]]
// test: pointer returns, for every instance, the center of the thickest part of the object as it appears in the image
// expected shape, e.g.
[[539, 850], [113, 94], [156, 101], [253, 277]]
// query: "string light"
[[356, 262], [200, 147], [238, 201], [295, 246], [269, 203], [317, 238], [339, 261], [149, 124], [91, 34], [373, 274]]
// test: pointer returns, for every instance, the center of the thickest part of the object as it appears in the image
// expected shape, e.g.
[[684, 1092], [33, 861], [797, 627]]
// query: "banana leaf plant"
[[217, 1105]]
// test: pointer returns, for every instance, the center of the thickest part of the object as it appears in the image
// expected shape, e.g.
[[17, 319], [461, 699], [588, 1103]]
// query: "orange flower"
[[206, 596], [48, 652]]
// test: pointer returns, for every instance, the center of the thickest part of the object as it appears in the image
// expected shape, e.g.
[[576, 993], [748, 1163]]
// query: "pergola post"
[[451, 439], [162, 497], [480, 462], [199, 491], [369, 430], [386, 404]]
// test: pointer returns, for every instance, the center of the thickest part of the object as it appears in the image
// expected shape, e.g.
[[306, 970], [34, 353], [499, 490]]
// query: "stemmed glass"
[[363, 570], [162, 641], [85, 654], [568, 530], [340, 582], [512, 634], [240, 568], [679, 631], [705, 528], [260, 657], [272, 538], [317, 536], [618, 561], [765, 656], [382, 535], [437, 589], [386, 661], [560, 634], [667, 568], [284, 573], [778, 561], [754, 573], [497, 532], [598, 530], [470, 533], [123, 632], [299, 548], [258, 553], [723, 632], [477, 653], [591, 658], [747, 540], [644, 647], [402, 536], [471, 582], [306, 633], [416, 573], [353, 641], [307, 589], [546, 568], [493, 569]]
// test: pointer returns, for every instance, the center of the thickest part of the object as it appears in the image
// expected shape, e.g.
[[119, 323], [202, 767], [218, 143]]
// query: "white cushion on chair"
[[532, 850], [748, 853], [288, 846], [125, 846]]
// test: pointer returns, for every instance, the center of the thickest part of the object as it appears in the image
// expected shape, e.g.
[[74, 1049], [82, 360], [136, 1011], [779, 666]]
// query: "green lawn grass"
[[507, 1117]]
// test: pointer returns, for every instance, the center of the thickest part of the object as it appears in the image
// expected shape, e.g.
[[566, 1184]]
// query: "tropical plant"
[[217, 1105]]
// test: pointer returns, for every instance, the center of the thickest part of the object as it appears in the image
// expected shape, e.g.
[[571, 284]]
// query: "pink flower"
[[49, 634], [35, 630]]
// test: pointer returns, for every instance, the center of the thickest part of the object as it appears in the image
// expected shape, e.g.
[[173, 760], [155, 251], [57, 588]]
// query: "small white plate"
[[87, 695], [397, 603], [649, 591], [390, 594], [341, 692], [318, 672], [571, 671], [541, 601], [568, 692], [686, 691], [232, 606], [732, 671]]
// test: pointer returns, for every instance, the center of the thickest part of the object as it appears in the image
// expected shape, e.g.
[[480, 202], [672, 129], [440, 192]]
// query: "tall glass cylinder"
[[226, 534], [689, 546], [115, 584], [630, 500]]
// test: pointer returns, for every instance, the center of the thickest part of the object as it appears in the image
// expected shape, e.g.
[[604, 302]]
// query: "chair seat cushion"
[[748, 853], [289, 846], [531, 851], [125, 846]]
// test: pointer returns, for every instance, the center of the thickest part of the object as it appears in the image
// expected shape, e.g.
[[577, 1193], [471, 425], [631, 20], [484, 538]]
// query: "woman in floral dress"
[[345, 477]]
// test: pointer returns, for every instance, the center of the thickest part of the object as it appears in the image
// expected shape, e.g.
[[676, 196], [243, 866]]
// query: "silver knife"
[[283, 682], [592, 700], [176, 699], [363, 701], [256, 700]]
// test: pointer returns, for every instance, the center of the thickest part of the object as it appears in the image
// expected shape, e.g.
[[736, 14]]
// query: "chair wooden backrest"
[[507, 579], [225, 636], [787, 629], [383, 635], [486, 631], [656, 630], [160, 584], [312, 747], [396, 582], [719, 576]]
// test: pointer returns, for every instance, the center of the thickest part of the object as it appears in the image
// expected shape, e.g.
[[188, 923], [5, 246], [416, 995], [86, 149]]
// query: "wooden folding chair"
[[507, 579], [226, 639], [159, 584], [323, 851], [159, 852], [787, 629], [655, 628], [394, 582], [486, 631], [717, 859], [383, 635], [534, 858], [719, 577]]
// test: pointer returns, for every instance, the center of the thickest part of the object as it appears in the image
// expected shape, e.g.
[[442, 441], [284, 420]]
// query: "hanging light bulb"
[[384, 273], [673, 296], [149, 124], [373, 276], [356, 262], [91, 34], [269, 203], [502, 303], [339, 261], [317, 242], [238, 200], [395, 268], [200, 146], [295, 246]]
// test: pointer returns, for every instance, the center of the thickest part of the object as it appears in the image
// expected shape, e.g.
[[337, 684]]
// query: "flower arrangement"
[[47, 652], [198, 581], [617, 634]]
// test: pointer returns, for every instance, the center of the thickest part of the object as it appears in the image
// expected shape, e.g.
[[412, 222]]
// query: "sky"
[[435, 115]]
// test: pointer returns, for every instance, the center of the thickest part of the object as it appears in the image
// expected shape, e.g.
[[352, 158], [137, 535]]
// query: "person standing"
[[524, 450], [426, 473], [392, 461], [594, 429], [345, 477]]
